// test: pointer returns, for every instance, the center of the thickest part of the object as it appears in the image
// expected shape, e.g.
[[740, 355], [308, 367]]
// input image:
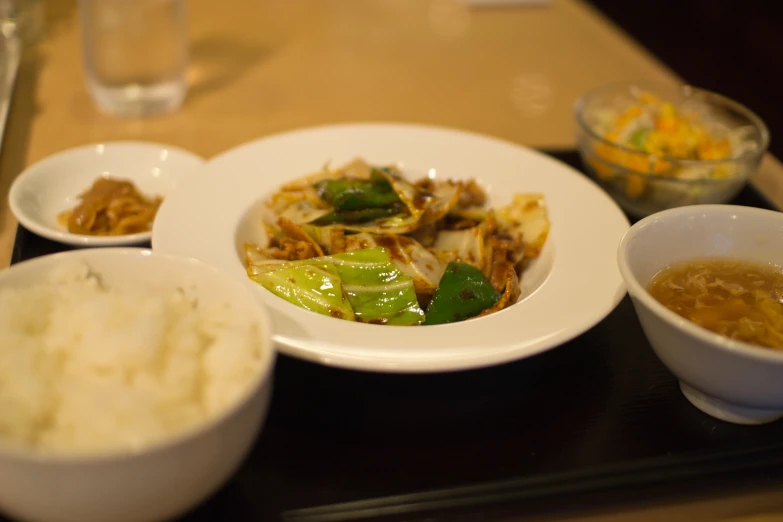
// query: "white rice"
[[89, 369]]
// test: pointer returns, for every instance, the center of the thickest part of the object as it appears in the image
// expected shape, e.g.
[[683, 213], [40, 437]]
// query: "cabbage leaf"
[[363, 285]]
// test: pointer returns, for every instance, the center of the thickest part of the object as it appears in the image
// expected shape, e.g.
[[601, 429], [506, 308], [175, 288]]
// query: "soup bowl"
[[727, 379]]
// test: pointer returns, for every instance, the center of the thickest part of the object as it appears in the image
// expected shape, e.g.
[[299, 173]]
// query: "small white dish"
[[53, 185], [573, 285], [727, 379], [167, 478]]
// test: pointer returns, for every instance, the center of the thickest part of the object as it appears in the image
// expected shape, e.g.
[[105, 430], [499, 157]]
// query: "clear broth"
[[737, 299]]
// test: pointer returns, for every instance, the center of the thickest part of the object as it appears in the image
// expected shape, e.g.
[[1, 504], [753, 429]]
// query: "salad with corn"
[[658, 138]]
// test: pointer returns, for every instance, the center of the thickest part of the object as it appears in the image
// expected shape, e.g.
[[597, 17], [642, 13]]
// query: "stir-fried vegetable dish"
[[362, 243]]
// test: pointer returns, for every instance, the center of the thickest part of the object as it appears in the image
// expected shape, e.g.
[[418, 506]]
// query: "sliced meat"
[[296, 232], [472, 195], [511, 293]]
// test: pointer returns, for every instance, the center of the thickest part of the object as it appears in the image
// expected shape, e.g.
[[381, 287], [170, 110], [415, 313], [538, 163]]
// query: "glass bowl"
[[644, 183]]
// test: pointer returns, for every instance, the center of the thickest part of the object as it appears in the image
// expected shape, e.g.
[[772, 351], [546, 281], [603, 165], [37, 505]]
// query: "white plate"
[[53, 185], [573, 285]]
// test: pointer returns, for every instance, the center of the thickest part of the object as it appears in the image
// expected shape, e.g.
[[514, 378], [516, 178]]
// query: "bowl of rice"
[[132, 384], [653, 147]]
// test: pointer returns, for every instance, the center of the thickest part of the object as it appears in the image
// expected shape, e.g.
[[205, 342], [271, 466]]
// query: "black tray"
[[597, 414]]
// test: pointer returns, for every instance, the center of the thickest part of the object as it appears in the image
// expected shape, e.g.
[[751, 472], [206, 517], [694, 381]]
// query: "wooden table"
[[259, 67]]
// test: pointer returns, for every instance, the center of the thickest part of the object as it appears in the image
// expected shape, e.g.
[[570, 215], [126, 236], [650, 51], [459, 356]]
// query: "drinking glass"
[[135, 54], [22, 19]]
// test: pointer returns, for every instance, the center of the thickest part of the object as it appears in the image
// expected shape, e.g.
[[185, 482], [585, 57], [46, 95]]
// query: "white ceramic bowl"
[[53, 185], [730, 380], [558, 301], [163, 480]]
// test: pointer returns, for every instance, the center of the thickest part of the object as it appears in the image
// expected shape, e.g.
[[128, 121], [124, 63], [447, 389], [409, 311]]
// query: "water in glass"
[[135, 54]]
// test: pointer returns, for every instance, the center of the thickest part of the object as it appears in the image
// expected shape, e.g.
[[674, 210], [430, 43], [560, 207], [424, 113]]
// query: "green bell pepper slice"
[[358, 194], [463, 292], [357, 216]]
